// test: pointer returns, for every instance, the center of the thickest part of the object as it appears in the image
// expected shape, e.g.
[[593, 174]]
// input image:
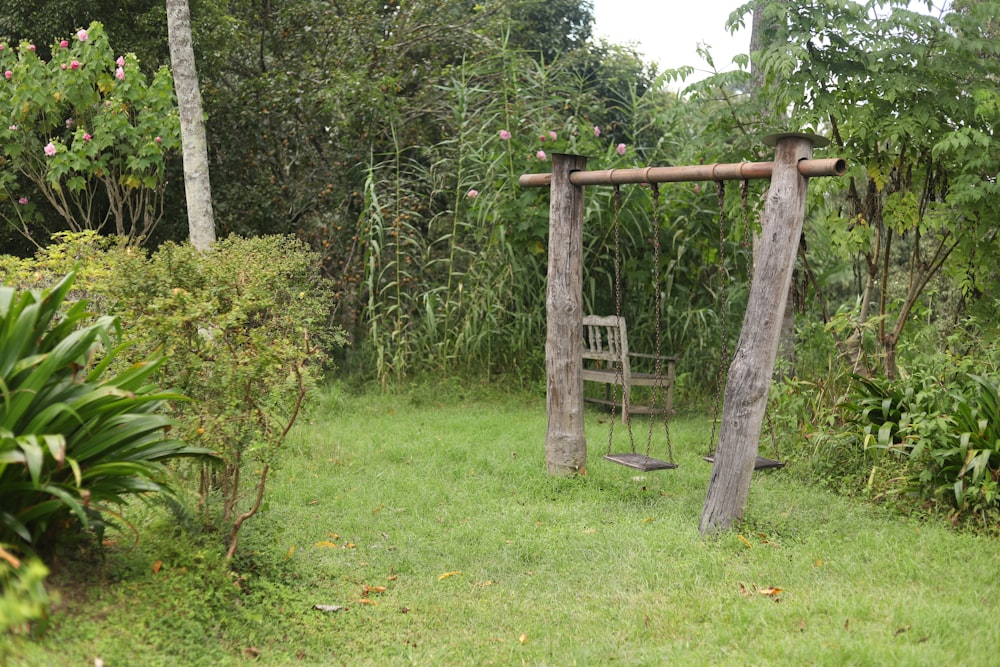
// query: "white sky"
[[668, 31]]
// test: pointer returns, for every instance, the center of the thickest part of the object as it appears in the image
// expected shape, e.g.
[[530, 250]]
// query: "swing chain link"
[[723, 309], [658, 344]]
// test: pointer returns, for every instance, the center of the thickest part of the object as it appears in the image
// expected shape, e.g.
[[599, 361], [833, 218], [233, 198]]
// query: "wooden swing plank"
[[640, 462], [761, 463]]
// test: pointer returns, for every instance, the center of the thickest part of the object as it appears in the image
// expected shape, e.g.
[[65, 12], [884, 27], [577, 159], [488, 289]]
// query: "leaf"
[[157, 566], [291, 552], [326, 544], [745, 541], [367, 601], [523, 638], [773, 592], [449, 574]]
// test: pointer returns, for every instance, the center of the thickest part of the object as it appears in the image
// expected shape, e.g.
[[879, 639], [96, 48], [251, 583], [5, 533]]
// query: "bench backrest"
[[605, 339]]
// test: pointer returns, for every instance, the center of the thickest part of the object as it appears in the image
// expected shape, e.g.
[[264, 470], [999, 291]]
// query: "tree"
[[88, 135], [911, 102], [197, 187]]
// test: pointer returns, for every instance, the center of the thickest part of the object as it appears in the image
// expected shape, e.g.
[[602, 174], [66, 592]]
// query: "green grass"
[[596, 570]]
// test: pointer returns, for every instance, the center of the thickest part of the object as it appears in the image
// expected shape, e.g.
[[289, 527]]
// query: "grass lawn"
[[431, 521]]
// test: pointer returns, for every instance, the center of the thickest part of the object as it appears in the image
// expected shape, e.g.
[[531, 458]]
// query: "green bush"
[[935, 442], [24, 602], [245, 329], [75, 438]]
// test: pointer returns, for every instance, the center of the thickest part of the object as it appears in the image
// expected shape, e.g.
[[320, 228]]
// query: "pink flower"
[[2, 47], [541, 137], [63, 66], [86, 136], [31, 47], [121, 61], [541, 155], [597, 131], [120, 74], [8, 74], [82, 35], [472, 194], [69, 123], [75, 64], [12, 127], [158, 140], [621, 149], [50, 149], [22, 201], [505, 135], [63, 44], [553, 136]]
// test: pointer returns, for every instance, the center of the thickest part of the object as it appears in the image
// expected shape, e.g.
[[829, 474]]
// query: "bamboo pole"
[[565, 441], [737, 171]]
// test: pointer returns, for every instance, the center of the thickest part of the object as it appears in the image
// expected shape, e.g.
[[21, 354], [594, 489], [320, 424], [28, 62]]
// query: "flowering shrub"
[[84, 127]]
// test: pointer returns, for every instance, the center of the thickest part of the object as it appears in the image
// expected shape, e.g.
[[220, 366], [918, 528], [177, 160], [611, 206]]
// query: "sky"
[[668, 31]]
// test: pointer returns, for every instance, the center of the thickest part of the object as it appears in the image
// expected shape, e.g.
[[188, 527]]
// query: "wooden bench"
[[605, 344]]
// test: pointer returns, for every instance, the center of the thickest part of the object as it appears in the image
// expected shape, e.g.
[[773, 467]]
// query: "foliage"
[[24, 602], [243, 331], [943, 437], [87, 137], [75, 439], [921, 190]]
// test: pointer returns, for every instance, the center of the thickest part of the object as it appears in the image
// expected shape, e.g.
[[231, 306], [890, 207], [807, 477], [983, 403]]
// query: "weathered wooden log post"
[[565, 441], [745, 399]]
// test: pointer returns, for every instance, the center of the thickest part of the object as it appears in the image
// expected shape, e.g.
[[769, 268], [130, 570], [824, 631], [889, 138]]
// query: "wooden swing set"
[[749, 377]]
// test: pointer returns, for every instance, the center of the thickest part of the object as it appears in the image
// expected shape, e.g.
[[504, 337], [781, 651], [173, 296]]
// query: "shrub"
[[74, 437], [23, 598], [245, 329], [940, 442]]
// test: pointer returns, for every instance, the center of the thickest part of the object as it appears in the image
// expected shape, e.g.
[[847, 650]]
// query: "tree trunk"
[[750, 372], [565, 441], [197, 188]]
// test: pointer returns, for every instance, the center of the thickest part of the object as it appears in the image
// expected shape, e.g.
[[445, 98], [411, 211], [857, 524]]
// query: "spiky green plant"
[[74, 440]]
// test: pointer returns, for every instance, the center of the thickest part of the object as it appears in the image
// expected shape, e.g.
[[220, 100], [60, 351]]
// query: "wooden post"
[[565, 442], [749, 380]]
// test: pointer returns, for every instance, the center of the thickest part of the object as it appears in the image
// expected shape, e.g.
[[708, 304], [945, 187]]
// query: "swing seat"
[[761, 463], [605, 340], [640, 462]]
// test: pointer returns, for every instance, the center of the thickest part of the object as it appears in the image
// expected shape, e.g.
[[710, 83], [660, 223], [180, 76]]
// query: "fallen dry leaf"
[[745, 541], [366, 589], [770, 591], [326, 544], [156, 566], [449, 574], [523, 638], [291, 552], [367, 601]]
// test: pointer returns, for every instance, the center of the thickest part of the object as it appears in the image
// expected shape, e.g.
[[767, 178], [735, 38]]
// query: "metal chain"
[[658, 345], [723, 308], [619, 365], [744, 187]]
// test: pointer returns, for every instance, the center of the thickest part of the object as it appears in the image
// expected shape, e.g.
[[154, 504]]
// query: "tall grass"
[[457, 250]]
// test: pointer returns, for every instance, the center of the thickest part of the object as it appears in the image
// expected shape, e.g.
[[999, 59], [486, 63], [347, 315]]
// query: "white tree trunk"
[[197, 188]]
